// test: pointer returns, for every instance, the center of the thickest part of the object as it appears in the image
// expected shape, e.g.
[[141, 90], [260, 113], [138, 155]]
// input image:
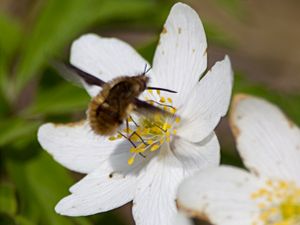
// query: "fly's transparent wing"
[[145, 108], [76, 75]]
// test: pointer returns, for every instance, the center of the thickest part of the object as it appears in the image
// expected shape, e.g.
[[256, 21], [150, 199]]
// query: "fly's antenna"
[[146, 70], [155, 88]]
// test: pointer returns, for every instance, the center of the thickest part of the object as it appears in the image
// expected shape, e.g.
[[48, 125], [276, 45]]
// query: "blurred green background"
[[261, 37]]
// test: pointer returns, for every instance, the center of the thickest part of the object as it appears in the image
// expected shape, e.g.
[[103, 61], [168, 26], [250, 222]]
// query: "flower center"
[[279, 203], [150, 132]]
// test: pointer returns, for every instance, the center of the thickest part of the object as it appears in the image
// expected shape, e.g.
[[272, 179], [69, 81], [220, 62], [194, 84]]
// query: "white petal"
[[115, 166], [220, 195], [207, 103], [180, 57], [100, 191], [154, 201], [182, 219], [197, 156], [105, 58], [76, 146], [268, 142]]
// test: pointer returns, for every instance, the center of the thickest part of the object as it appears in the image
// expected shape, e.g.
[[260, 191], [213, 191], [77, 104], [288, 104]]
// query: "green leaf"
[[61, 99], [12, 129], [4, 106], [3, 75], [6, 219], [217, 36], [61, 21], [9, 41], [235, 7], [28, 206], [289, 103], [42, 183], [148, 50], [49, 182], [20, 220], [10, 34], [229, 158], [8, 199]]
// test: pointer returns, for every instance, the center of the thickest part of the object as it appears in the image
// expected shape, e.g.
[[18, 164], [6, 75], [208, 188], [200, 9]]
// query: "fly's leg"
[[128, 139], [135, 133], [135, 123], [161, 104]]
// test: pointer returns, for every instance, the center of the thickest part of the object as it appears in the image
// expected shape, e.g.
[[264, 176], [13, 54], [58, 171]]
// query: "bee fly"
[[117, 99]]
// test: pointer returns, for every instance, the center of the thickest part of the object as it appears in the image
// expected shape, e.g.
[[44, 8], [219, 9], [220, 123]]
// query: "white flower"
[[188, 145], [269, 194], [182, 219]]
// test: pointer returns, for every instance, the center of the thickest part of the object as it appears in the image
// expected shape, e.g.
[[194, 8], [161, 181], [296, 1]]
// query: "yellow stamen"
[[150, 142], [153, 130], [173, 110], [112, 138], [165, 126], [162, 100], [134, 138], [131, 160], [279, 202], [127, 130], [154, 147]]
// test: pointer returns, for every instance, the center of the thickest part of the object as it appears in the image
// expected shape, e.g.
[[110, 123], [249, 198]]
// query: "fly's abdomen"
[[104, 119]]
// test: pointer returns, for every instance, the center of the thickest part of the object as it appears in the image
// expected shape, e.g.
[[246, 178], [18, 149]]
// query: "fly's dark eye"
[[143, 86]]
